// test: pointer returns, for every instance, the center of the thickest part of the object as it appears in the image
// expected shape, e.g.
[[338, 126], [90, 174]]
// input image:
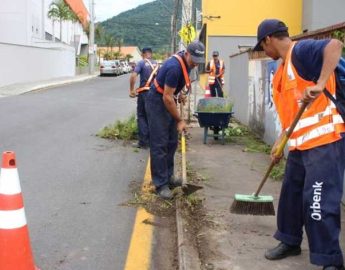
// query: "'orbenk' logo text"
[[316, 206]]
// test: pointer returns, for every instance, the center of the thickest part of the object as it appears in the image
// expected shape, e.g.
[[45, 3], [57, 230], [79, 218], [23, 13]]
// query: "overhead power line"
[[165, 6]]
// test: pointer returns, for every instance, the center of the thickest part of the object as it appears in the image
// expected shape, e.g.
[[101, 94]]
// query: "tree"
[[99, 33], [109, 42], [73, 18], [117, 55], [119, 43], [107, 56], [339, 34], [128, 57], [59, 10]]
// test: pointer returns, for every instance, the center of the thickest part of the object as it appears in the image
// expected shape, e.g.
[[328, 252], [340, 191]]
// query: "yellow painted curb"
[[139, 252]]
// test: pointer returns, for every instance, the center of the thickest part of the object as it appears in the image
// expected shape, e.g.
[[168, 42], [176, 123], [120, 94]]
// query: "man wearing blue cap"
[[164, 119], [313, 182], [146, 68]]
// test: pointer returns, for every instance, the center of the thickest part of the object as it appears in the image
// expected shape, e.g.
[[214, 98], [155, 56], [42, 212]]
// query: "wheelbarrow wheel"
[[205, 134], [215, 133]]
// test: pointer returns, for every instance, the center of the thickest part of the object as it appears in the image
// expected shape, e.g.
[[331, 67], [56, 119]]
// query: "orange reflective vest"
[[320, 124], [148, 82], [212, 76], [185, 76]]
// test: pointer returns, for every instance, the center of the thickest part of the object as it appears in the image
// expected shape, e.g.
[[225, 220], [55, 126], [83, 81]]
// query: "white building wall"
[[14, 21], [25, 22], [320, 13], [23, 27], [36, 64], [69, 29], [36, 27]]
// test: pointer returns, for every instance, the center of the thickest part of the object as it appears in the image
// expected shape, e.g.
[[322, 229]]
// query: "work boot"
[[140, 146], [165, 193], [332, 267], [175, 182], [282, 251]]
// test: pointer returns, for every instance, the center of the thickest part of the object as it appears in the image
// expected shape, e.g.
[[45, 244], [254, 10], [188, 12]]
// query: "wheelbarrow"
[[217, 119]]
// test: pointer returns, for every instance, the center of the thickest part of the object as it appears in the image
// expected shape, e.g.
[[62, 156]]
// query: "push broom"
[[262, 205]]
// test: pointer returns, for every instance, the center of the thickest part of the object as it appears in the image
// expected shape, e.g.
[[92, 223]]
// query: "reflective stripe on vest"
[[320, 124], [212, 76], [185, 75]]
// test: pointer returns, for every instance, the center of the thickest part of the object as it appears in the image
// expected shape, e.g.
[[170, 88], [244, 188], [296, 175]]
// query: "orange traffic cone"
[[207, 91], [15, 249]]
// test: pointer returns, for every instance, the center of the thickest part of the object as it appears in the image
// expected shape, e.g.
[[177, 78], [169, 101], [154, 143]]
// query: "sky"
[[106, 9]]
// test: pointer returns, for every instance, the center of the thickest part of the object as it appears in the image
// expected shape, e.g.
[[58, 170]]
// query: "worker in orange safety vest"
[[313, 183], [216, 70]]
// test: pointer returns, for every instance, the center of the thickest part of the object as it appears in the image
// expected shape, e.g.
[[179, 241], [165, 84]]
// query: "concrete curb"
[[64, 82], [187, 253], [188, 257], [13, 90]]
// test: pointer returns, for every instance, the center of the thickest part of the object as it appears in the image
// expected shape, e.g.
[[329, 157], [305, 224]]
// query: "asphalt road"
[[72, 181]]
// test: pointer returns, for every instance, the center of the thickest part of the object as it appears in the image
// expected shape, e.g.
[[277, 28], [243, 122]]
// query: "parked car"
[[126, 68], [109, 67], [118, 66]]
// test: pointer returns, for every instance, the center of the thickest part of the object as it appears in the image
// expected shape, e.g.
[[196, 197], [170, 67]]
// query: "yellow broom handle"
[[282, 144], [183, 151]]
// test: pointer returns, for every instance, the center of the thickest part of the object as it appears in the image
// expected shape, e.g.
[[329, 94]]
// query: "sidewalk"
[[21, 88], [236, 242]]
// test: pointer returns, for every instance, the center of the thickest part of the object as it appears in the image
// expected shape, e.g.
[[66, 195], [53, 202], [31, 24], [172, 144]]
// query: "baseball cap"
[[215, 53], [197, 51], [267, 28], [146, 49]]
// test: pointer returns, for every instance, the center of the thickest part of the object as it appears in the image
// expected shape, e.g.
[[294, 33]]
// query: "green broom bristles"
[[252, 205]]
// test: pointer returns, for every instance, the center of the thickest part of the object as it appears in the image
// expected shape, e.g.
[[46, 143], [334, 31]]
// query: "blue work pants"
[[163, 139], [142, 119], [216, 89], [311, 197]]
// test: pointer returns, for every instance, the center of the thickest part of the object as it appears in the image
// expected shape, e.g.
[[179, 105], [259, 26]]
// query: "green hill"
[[146, 25]]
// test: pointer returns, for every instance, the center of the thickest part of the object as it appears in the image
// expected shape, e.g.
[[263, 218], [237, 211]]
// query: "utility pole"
[[187, 19], [92, 38], [174, 26], [186, 16]]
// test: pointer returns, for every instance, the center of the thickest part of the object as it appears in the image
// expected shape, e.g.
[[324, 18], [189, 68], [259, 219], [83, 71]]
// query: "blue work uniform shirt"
[[171, 74], [307, 58], [144, 69]]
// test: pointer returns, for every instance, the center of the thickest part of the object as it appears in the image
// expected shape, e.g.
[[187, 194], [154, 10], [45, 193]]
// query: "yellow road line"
[[139, 252]]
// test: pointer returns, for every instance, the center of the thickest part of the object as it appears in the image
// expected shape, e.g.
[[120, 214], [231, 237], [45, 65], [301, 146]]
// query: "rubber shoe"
[[331, 267], [282, 251], [175, 182], [165, 193], [140, 146]]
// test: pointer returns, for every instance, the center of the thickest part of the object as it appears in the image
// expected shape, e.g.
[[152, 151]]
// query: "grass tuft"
[[240, 134], [278, 170], [121, 130]]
